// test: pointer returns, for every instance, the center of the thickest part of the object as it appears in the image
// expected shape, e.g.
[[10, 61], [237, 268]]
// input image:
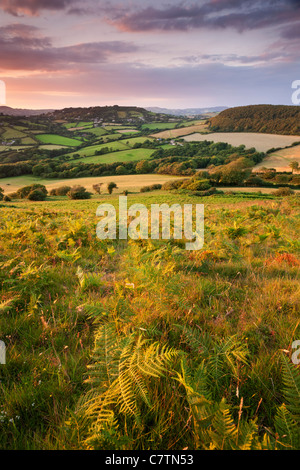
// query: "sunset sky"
[[176, 54]]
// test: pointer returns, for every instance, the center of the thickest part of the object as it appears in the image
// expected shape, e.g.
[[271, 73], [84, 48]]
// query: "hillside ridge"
[[264, 118]]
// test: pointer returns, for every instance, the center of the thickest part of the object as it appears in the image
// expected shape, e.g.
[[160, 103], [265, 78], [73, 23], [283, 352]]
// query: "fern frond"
[[224, 431], [248, 436], [104, 369], [287, 429]]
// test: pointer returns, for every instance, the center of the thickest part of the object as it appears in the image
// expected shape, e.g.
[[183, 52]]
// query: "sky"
[[174, 54]]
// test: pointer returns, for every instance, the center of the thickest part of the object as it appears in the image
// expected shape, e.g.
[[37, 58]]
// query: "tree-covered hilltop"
[[118, 114], [266, 118]]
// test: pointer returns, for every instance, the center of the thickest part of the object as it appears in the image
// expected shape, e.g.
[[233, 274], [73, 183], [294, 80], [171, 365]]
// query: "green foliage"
[[287, 419], [36, 195], [285, 191], [27, 190], [179, 349], [111, 186], [120, 376]]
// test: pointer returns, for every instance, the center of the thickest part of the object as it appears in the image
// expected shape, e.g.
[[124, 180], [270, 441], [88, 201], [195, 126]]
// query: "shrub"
[[36, 195], [152, 187], [62, 191], [1, 194], [145, 189], [254, 180], [173, 184], [78, 192], [6, 198], [26, 190], [111, 186], [284, 192], [198, 185]]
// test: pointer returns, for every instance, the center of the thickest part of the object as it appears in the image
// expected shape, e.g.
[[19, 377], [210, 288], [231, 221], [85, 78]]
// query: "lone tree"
[[111, 186], [97, 188], [294, 166]]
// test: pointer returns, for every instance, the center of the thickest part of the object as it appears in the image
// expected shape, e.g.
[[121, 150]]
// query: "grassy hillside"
[[142, 344], [273, 119]]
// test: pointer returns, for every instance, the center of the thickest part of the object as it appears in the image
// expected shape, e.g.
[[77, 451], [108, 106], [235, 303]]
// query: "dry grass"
[[261, 142], [250, 190], [129, 182], [173, 133], [280, 160]]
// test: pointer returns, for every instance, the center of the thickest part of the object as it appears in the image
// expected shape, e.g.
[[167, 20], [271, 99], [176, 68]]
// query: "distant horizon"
[[138, 106]]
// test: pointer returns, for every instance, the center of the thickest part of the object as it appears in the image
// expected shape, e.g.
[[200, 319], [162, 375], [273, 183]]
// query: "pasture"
[[58, 140], [124, 144], [131, 182], [180, 132], [261, 142], [159, 125], [280, 159], [128, 155]]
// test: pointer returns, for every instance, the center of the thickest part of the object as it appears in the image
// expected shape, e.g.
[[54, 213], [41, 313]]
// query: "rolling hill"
[[271, 119], [7, 111], [117, 114]]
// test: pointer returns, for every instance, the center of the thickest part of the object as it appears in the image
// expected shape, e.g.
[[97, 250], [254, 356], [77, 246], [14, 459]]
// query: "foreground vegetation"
[[142, 344]]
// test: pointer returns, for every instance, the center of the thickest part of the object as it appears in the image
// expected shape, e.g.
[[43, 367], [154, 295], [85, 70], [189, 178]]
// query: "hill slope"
[[272, 119], [7, 111], [117, 114]]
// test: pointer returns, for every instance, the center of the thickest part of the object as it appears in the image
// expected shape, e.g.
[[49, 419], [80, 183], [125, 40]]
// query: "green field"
[[159, 125], [96, 131], [12, 133], [115, 145], [128, 155], [131, 345], [58, 140]]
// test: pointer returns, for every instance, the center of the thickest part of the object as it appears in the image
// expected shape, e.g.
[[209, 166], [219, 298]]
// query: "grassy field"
[[124, 144], [128, 131], [132, 183], [12, 133], [261, 142], [98, 131], [280, 159], [58, 140], [159, 125], [129, 155], [142, 344], [173, 133]]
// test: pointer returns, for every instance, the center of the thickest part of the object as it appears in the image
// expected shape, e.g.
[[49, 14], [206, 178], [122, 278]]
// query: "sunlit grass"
[[60, 283]]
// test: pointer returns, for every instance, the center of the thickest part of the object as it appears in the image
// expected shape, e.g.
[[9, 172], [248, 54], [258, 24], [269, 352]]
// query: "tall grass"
[[142, 344]]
